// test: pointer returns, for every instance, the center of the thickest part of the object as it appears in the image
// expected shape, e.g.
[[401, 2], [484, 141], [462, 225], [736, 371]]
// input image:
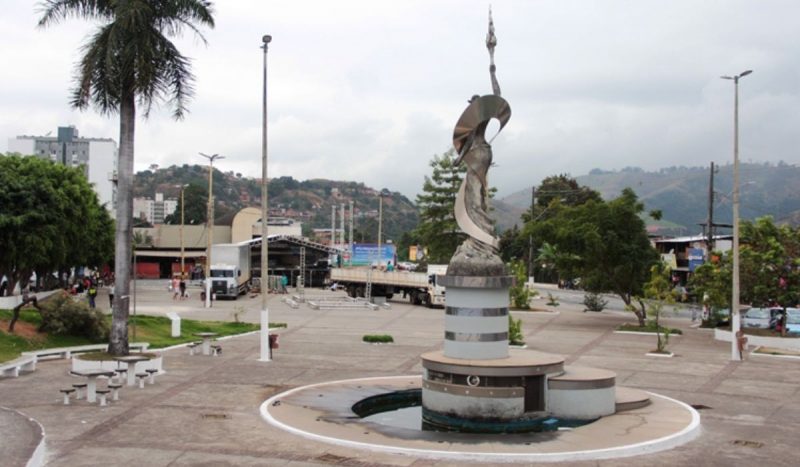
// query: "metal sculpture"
[[477, 255]]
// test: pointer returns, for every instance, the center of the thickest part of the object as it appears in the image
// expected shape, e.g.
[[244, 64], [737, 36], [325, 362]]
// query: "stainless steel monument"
[[475, 384]]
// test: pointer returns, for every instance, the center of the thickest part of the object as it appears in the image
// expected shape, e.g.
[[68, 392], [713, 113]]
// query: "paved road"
[[204, 410]]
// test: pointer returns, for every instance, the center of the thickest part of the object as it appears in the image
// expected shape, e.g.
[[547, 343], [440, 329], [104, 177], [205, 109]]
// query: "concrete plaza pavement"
[[205, 410]]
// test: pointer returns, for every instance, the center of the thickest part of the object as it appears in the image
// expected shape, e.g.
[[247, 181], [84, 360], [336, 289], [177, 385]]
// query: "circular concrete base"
[[322, 412]]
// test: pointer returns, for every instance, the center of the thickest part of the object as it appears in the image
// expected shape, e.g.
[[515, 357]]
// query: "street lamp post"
[[210, 222], [380, 224], [183, 269], [736, 355], [266, 348]]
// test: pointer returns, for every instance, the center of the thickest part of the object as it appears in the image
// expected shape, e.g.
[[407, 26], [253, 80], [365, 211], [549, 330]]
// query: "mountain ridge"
[[681, 193]]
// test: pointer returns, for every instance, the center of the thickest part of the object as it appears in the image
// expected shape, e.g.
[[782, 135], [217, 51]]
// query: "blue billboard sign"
[[696, 256], [365, 254]]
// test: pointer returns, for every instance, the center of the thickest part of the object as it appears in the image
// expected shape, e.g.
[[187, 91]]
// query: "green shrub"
[[519, 294], [62, 315], [515, 336], [378, 338], [552, 300], [650, 326], [594, 302]]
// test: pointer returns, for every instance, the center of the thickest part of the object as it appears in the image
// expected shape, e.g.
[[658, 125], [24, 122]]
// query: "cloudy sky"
[[370, 90]]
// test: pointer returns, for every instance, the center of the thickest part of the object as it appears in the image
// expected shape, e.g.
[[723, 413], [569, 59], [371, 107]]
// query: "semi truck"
[[421, 288], [230, 271]]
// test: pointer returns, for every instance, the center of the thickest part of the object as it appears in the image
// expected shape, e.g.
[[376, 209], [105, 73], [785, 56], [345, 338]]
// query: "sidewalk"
[[204, 410]]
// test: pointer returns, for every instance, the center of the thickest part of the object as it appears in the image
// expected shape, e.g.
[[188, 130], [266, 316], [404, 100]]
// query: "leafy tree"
[[769, 268], [713, 281], [51, 220], [562, 189], [554, 193], [196, 198], [130, 58], [658, 293], [513, 245], [769, 263], [438, 230], [518, 293], [603, 243]]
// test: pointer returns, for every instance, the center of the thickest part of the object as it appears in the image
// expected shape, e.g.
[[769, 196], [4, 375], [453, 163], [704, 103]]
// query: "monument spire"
[[491, 43]]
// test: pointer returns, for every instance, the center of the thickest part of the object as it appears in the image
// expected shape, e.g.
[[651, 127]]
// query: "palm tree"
[[129, 60]]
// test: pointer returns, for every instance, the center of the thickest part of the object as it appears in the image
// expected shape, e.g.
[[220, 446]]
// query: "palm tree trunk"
[[118, 339]]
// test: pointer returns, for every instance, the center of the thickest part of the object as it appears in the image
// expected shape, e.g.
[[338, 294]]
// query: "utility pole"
[[210, 222], [736, 354], [333, 225], [710, 223], [351, 233], [266, 345], [341, 222], [530, 236]]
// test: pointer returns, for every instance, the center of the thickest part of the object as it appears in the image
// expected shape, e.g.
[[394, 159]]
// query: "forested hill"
[[308, 201], [681, 193]]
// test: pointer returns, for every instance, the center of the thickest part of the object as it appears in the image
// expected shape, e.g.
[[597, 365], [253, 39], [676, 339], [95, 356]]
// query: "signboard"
[[696, 256], [365, 254]]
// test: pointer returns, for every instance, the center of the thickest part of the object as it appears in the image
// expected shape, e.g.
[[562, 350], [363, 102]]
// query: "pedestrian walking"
[[182, 286], [175, 287], [111, 295], [91, 292]]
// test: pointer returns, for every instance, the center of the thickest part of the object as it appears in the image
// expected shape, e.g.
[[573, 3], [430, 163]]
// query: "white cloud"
[[369, 91]]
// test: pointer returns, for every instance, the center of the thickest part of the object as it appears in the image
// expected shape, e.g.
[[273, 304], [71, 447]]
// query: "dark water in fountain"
[[402, 409]]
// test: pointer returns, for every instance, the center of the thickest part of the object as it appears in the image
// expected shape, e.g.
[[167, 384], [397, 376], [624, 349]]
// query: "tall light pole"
[[735, 316], [266, 348], [210, 222], [183, 269], [351, 233], [380, 223]]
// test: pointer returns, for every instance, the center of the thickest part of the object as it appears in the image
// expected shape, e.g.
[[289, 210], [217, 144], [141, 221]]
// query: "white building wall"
[[170, 205], [143, 207], [102, 166], [22, 145]]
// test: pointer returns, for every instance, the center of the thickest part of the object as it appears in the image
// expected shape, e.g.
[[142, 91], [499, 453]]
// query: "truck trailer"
[[230, 273], [420, 287]]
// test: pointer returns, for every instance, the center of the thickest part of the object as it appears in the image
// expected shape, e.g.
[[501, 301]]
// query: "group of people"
[[178, 288], [89, 285]]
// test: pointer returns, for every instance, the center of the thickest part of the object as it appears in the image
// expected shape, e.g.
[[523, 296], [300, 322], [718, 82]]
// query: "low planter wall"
[[766, 341], [79, 364], [7, 303]]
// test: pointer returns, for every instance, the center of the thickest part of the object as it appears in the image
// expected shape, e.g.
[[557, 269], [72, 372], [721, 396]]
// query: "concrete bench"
[[101, 394], [66, 392], [79, 387], [23, 363], [66, 352], [27, 361], [192, 346], [141, 377], [216, 350], [152, 378], [114, 387]]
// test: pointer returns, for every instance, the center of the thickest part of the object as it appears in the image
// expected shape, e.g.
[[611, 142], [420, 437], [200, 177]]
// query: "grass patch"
[[650, 326], [26, 338], [153, 329], [157, 329], [377, 338]]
